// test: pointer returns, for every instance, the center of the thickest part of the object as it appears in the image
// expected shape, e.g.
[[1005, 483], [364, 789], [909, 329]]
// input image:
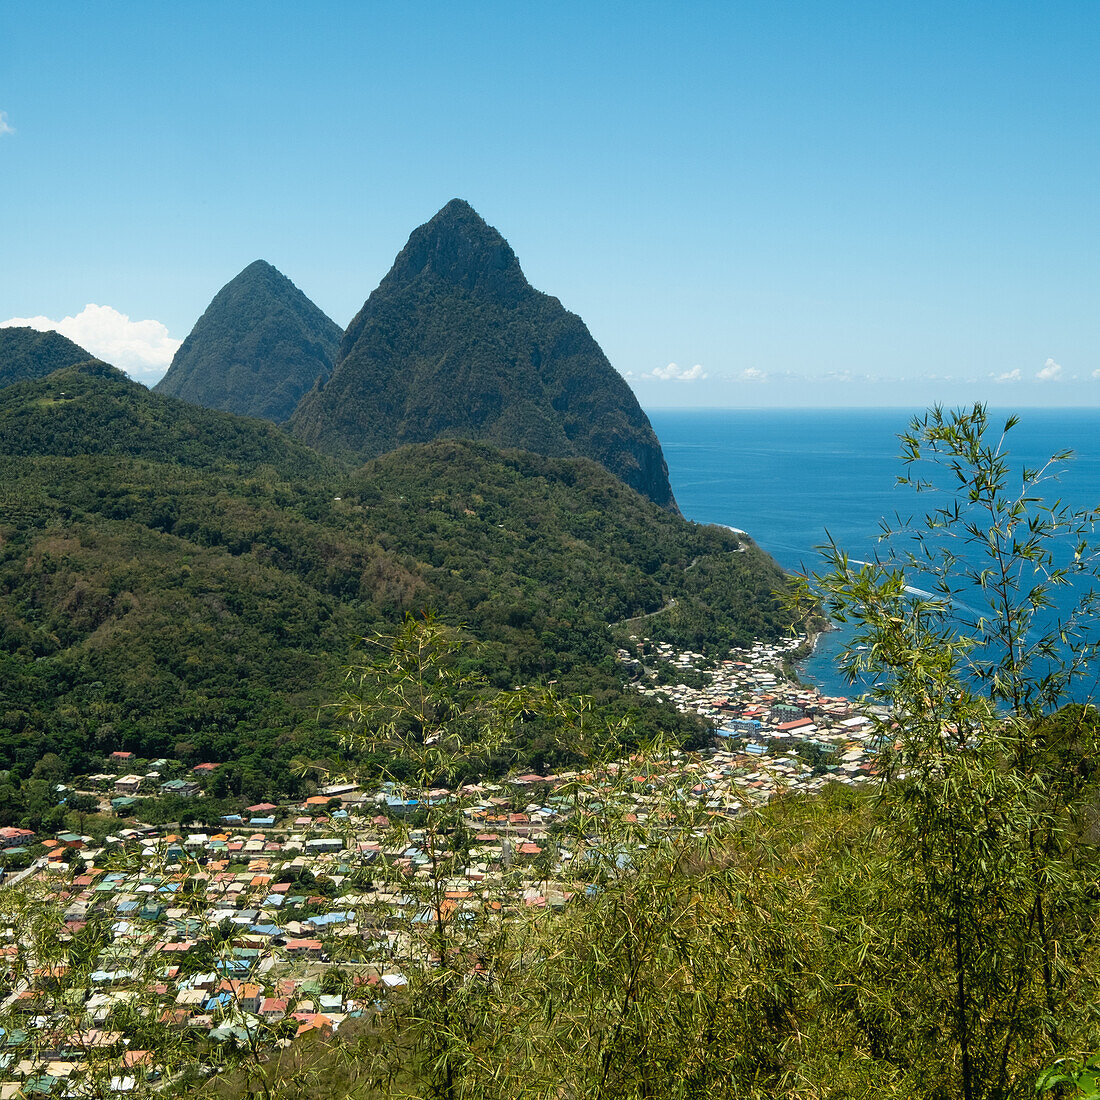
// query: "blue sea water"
[[793, 477]]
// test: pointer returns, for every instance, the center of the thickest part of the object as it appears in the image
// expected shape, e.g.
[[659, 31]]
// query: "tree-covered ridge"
[[26, 354], [202, 607], [528, 540], [455, 343], [92, 408], [260, 345]]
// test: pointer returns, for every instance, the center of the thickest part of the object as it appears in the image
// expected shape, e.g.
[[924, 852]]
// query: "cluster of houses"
[[13, 838], [223, 936], [156, 777], [293, 918], [793, 735], [218, 938]]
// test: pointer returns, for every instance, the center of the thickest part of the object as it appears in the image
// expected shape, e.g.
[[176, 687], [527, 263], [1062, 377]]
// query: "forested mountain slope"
[[455, 343], [26, 354], [260, 345], [93, 408], [178, 580]]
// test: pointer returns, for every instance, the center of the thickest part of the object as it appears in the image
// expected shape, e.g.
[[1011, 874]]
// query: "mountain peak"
[[258, 347], [458, 246], [460, 208], [259, 267], [455, 343], [260, 271]]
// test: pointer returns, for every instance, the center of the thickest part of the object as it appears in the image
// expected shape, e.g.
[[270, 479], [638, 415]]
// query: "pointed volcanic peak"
[[26, 354], [260, 345], [459, 248], [455, 343]]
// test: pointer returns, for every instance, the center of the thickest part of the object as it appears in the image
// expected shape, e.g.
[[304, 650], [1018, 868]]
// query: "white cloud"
[[751, 374], [1096, 375], [1009, 376], [1050, 372], [143, 349], [5, 126], [673, 373]]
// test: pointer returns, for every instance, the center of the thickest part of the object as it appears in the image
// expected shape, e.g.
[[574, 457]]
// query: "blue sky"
[[749, 204]]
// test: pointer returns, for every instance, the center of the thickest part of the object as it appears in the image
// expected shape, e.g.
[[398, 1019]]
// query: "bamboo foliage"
[[981, 824]]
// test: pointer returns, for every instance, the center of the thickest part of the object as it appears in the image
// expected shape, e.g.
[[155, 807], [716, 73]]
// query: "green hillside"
[[455, 343], [175, 580], [26, 354], [92, 408]]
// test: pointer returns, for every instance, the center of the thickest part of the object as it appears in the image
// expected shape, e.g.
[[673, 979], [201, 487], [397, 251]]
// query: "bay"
[[791, 478]]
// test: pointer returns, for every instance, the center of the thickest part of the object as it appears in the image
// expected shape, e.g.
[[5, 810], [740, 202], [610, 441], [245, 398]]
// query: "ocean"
[[792, 477]]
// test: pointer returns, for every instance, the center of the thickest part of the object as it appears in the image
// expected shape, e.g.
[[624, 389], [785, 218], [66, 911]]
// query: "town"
[[296, 918]]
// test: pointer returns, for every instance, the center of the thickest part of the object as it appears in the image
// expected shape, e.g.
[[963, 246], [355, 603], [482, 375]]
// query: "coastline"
[[768, 725]]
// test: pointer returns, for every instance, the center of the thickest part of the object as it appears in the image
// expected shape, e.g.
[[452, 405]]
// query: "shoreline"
[[762, 716]]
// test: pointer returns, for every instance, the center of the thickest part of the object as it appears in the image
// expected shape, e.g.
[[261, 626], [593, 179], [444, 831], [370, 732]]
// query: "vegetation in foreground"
[[935, 937]]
